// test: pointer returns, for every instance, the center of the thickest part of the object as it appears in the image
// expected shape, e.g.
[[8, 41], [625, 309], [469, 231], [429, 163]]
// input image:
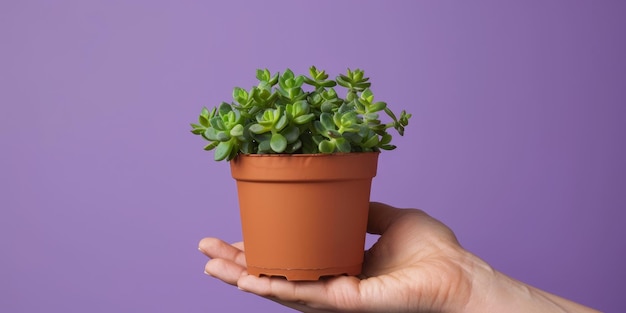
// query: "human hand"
[[417, 265]]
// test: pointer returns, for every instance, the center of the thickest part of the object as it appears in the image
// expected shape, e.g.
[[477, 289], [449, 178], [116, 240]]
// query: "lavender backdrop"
[[517, 142]]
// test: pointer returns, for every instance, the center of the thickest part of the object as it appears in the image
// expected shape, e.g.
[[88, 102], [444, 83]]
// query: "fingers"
[[339, 292], [218, 249], [382, 216], [225, 270], [269, 287], [227, 262]]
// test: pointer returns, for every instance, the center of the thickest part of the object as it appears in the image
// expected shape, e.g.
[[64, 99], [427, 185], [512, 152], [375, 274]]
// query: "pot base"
[[305, 274]]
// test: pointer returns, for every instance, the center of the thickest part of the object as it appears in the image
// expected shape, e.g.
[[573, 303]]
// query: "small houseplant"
[[286, 137]]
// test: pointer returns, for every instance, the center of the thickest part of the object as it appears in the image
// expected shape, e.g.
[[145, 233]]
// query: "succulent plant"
[[288, 113]]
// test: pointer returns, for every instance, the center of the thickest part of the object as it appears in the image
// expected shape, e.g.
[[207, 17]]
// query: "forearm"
[[505, 294], [567, 305]]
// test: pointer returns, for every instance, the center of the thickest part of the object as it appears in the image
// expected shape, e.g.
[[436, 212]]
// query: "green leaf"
[[263, 75], [386, 139], [292, 148], [326, 146], [330, 94], [337, 118], [319, 128], [203, 121], [287, 74], [378, 106], [237, 130], [264, 146], [367, 95], [370, 116], [328, 84], [298, 81], [286, 79], [284, 118], [309, 144], [211, 134], [332, 133], [211, 146], [371, 142], [278, 143], [341, 80], [352, 137], [197, 131], [267, 116], [315, 99], [296, 94], [291, 134], [282, 92], [247, 147], [205, 112], [317, 139], [362, 86], [391, 114], [217, 123], [223, 136], [400, 130], [289, 83], [301, 107], [281, 123], [314, 72], [310, 82], [350, 129], [303, 119], [348, 119], [233, 153], [327, 121], [224, 108], [327, 107], [364, 131], [262, 94], [258, 129], [342, 145], [404, 118], [274, 79], [240, 95], [223, 150]]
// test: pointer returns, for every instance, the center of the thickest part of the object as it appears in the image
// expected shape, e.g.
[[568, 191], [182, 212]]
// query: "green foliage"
[[279, 116]]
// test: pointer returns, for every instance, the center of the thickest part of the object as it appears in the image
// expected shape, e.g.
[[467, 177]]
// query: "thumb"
[[380, 217]]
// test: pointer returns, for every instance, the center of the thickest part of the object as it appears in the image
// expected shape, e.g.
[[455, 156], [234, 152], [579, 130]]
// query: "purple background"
[[517, 141]]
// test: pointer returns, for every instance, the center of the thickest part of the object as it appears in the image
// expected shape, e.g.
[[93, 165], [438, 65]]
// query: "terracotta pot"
[[304, 216]]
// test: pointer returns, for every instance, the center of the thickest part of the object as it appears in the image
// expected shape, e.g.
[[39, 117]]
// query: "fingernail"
[[207, 273], [242, 289]]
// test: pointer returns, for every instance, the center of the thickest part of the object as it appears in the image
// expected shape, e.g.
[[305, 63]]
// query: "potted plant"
[[303, 155]]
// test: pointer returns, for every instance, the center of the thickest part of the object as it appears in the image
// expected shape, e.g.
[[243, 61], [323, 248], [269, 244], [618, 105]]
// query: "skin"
[[417, 265]]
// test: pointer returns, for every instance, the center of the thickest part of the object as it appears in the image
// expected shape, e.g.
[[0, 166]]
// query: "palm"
[[416, 263]]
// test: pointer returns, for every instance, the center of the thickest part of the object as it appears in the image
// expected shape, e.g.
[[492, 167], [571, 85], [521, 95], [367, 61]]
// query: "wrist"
[[504, 294], [493, 291]]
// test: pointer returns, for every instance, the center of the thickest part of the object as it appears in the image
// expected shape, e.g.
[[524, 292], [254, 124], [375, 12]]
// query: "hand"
[[417, 265]]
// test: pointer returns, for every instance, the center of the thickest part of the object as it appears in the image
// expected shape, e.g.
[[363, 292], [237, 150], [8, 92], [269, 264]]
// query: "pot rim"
[[308, 167], [278, 155]]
